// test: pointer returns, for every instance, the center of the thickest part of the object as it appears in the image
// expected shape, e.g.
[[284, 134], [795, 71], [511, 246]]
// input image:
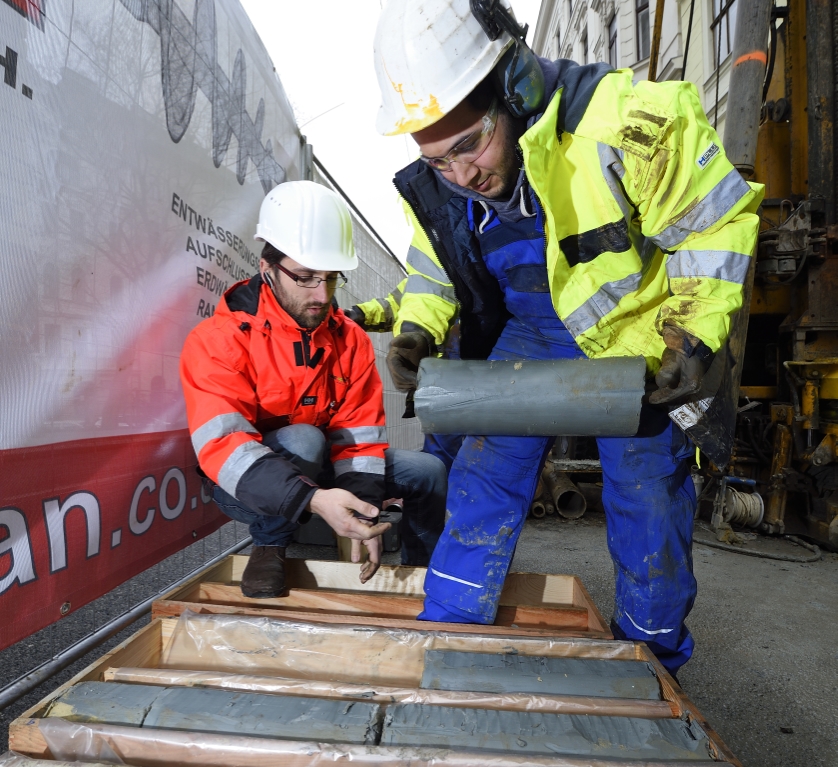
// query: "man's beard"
[[512, 158], [296, 309]]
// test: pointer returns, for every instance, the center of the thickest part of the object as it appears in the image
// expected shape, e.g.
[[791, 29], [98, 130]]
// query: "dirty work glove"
[[407, 350], [683, 364], [356, 315]]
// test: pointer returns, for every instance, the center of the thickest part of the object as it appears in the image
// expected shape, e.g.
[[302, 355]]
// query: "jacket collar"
[[254, 298]]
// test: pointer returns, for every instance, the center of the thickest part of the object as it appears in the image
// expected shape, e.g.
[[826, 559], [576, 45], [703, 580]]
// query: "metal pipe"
[[656, 42], [537, 510], [600, 397], [744, 96], [28, 682], [569, 501]]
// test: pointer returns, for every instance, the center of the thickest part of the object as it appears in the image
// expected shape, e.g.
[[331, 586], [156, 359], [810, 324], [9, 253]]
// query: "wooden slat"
[[556, 704], [164, 608], [386, 606], [534, 589], [596, 623]]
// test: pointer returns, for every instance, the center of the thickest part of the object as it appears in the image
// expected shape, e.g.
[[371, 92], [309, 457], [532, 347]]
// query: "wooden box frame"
[[531, 604], [145, 649]]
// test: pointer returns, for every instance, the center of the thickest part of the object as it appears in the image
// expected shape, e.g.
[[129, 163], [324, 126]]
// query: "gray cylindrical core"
[[533, 398], [570, 503]]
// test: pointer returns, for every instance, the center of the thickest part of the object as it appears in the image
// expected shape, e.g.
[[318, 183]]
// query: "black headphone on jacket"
[[517, 77]]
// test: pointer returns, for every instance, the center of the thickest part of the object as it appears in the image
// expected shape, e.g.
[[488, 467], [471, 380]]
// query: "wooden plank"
[[386, 606], [141, 649], [222, 573], [534, 589], [162, 609], [596, 623], [556, 704]]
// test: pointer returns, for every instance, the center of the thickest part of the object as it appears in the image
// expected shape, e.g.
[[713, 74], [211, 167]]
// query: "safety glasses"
[[472, 146], [310, 281]]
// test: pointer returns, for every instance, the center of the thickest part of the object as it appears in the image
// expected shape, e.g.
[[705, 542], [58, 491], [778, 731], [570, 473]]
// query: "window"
[[569, 10], [585, 47], [612, 42], [724, 28], [642, 18]]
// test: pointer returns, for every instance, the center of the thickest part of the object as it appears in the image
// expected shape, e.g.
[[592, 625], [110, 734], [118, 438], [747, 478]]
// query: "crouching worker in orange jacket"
[[277, 375]]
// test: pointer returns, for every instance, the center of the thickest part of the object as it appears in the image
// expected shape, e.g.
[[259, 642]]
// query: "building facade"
[[619, 33]]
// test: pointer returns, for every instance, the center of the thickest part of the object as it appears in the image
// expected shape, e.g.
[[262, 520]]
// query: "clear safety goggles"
[[472, 146]]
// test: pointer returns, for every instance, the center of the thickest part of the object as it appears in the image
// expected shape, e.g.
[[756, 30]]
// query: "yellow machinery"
[[786, 424]]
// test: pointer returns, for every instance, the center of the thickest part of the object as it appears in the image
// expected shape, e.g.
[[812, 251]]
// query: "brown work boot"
[[264, 575]]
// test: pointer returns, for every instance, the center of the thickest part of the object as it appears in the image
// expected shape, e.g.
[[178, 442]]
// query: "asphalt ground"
[[765, 670]]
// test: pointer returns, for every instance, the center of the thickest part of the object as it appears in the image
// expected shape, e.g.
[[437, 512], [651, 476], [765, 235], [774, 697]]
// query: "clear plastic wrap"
[[10, 759], [156, 748], [345, 653], [555, 704]]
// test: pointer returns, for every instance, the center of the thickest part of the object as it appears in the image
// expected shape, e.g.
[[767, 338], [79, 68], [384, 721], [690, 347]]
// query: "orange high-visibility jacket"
[[250, 369]]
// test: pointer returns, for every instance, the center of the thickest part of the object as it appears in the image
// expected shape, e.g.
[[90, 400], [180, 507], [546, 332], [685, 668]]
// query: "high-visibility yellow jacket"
[[646, 222], [380, 313]]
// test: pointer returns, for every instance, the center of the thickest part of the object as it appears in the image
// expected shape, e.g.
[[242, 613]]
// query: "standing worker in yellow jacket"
[[560, 211]]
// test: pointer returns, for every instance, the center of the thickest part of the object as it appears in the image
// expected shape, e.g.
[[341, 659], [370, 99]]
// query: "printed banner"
[[137, 140]]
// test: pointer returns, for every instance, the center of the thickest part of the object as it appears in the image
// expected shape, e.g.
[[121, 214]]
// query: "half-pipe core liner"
[[405, 725], [545, 398]]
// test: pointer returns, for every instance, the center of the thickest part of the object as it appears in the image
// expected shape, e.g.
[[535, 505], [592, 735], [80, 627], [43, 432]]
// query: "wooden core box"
[[332, 638]]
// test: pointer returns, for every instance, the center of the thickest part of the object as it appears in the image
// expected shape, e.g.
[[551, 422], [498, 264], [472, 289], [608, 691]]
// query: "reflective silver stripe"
[[417, 284], [365, 463], [239, 461], [603, 302], [612, 171], [388, 310], [651, 632], [713, 207], [423, 263], [715, 264], [397, 296], [359, 435], [458, 580], [220, 426]]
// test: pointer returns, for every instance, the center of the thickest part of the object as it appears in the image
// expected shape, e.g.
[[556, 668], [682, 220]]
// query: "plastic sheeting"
[[518, 732], [155, 748], [546, 398], [497, 673], [221, 711], [344, 653], [10, 759], [571, 704]]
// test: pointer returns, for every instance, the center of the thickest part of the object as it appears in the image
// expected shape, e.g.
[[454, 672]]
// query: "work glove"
[[407, 350], [683, 364], [356, 315]]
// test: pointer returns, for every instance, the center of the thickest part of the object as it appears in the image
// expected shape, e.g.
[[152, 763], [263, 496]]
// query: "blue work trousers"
[[649, 503], [417, 478]]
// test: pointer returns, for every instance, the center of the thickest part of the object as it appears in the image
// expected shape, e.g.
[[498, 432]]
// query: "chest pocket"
[[515, 255]]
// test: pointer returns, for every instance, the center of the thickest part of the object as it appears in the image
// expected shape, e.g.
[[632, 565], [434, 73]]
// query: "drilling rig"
[[784, 429]]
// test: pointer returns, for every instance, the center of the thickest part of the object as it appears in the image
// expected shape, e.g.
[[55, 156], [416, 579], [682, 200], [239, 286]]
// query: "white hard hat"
[[429, 55], [309, 223]]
